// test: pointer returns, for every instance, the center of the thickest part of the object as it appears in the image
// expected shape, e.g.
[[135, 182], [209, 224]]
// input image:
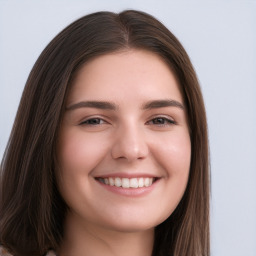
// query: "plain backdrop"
[[220, 37]]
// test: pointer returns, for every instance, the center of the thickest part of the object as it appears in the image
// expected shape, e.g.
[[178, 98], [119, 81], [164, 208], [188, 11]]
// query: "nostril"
[[129, 146]]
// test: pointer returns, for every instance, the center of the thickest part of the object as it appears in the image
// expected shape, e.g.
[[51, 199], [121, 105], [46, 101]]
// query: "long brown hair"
[[31, 208]]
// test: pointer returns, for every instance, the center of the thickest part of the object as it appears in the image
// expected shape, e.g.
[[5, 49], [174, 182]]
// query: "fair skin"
[[124, 154]]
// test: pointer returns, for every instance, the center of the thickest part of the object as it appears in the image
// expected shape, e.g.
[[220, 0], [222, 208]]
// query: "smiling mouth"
[[139, 182]]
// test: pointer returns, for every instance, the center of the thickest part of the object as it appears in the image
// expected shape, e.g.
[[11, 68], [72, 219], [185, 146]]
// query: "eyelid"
[[83, 121], [103, 120], [169, 119]]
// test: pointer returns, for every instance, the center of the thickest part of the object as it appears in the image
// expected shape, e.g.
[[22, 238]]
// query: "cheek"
[[174, 159], [174, 154], [78, 152], [77, 157]]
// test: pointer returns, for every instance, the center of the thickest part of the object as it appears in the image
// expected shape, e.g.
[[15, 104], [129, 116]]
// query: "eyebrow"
[[105, 105], [92, 104], [162, 104]]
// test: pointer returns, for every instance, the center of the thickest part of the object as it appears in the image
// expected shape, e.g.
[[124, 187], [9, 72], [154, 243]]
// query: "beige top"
[[4, 252]]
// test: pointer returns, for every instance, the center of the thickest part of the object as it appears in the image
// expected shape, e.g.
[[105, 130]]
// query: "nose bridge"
[[130, 142]]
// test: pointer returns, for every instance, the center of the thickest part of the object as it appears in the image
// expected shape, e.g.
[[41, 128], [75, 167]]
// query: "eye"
[[93, 122], [161, 121]]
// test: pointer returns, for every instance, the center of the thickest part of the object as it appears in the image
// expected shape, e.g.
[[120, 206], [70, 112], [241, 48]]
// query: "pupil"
[[94, 121], [159, 121]]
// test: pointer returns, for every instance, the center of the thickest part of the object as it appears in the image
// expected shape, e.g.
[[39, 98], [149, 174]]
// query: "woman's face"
[[124, 145]]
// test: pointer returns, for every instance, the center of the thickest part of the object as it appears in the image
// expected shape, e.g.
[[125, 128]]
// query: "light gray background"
[[220, 37]]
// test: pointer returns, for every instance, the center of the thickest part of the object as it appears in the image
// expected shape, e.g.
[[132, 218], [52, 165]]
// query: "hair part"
[[31, 209]]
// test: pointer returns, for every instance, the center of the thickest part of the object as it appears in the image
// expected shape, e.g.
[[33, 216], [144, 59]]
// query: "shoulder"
[[4, 252], [50, 253]]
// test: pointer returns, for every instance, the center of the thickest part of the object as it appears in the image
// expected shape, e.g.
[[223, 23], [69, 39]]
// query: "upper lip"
[[127, 175]]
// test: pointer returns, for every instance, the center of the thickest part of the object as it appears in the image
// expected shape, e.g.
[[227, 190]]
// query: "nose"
[[130, 144]]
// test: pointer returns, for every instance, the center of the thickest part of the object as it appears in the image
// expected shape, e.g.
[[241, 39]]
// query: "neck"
[[91, 240]]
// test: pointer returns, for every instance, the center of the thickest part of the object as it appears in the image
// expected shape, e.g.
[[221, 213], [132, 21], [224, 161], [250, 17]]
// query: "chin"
[[131, 225]]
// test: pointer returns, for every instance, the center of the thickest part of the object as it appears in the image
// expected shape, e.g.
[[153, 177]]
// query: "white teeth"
[[134, 183], [125, 183], [118, 182], [111, 182], [128, 183], [141, 182], [147, 182]]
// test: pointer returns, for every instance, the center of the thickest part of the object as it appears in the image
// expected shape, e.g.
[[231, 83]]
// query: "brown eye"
[[93, 121], [161, 121]]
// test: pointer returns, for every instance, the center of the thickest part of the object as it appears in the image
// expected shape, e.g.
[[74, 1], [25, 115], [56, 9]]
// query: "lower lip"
[[132, 192]]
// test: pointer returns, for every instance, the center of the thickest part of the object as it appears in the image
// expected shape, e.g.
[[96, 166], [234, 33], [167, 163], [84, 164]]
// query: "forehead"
[[125, 75]]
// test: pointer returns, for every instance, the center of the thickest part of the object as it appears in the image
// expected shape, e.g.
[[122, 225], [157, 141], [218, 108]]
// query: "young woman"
[[108, 154]]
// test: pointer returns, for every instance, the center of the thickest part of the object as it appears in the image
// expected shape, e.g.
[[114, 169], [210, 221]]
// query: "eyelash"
[[93, 123], [99, 121], [165, 121]]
